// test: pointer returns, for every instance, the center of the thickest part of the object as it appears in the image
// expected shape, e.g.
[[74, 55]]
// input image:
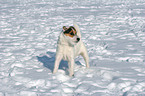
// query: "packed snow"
[[112, 30]]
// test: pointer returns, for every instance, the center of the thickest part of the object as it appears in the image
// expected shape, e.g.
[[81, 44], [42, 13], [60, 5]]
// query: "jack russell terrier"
[[69, 46]]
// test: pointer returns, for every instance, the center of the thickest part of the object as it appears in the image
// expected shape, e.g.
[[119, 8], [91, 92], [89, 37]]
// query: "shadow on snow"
[[49, 60]]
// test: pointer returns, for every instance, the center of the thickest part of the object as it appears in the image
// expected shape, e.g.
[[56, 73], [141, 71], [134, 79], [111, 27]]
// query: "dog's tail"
[[77, 29]]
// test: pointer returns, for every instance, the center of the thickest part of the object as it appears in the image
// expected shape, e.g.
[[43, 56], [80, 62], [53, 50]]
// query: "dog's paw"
[[53, 72], [87, 67], [71, 75]]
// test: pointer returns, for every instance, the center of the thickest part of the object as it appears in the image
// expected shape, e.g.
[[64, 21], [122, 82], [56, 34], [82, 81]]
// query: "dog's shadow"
[[48, 61]]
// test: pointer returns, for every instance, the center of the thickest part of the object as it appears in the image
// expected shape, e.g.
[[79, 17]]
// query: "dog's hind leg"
[[86, 58], [57, 62]]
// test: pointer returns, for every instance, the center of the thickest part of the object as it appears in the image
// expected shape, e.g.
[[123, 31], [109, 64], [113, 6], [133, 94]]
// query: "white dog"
[[69, 46]]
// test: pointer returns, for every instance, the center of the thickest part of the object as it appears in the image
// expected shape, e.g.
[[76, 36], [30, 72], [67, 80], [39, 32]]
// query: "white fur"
[[68, 49]]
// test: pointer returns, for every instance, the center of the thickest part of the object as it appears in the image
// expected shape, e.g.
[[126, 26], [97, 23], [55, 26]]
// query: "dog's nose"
[[78, 39]]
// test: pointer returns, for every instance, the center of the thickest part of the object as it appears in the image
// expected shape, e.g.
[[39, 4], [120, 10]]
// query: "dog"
[[69, 46]]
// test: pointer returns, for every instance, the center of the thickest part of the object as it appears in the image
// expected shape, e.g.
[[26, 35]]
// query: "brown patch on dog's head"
[[71, 31]]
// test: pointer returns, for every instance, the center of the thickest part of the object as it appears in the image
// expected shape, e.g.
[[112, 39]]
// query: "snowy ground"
[[113, 32]]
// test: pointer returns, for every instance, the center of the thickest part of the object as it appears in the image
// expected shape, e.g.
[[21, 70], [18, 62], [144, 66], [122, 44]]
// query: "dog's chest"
[[67, 52]]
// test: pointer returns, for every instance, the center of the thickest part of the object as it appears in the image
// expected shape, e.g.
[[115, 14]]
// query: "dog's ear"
[[64, 28], [77, 29], [72, 28]]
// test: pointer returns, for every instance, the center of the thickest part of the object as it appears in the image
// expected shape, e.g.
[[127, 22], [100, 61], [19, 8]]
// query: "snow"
[[112, 30]]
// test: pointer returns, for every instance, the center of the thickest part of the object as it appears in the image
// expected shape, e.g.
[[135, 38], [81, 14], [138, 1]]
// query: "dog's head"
[[70, 34]]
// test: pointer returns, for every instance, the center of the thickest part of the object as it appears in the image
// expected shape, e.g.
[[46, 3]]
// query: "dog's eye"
[[72, 33]]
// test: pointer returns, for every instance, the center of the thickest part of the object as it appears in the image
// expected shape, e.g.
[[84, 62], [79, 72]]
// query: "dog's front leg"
[[57, 62], [71, 67]]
